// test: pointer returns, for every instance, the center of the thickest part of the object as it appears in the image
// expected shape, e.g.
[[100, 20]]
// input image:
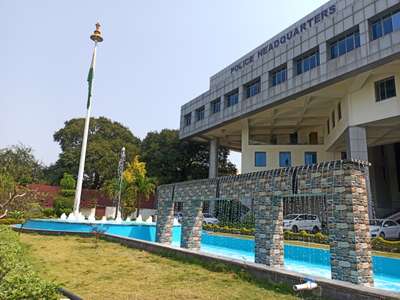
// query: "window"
[[313, 138], [188, 119], [293, 138], [310, 158], [333, 119], [327, 127], [385, 89], [278, 76], [253, 88], [343, 155], [200, 113], [285, 159], [260, 159], [215, 106], [307, 62], [385, 25], [339, 110], [232, 98], [345, 44]]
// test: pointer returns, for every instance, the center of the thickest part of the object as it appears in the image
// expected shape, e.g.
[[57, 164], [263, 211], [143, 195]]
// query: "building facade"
[[325, 88]]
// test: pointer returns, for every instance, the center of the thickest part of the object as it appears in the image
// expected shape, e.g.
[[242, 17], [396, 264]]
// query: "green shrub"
[[18, 280], [11, 221], [381, 244], [48, 212], [15, 214], [34, 211], [63, 205]]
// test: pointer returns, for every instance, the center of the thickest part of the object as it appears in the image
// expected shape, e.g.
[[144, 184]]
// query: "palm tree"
[[145, 187]]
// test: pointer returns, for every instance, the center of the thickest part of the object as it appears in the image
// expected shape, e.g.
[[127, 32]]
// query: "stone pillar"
[[348, 225], [165, 214], [357, 149], [192, 222], [213, 169], [269, 230]]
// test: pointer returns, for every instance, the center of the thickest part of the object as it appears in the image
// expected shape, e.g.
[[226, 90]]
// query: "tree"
[[15, 197], [19, 162], [136, 185], [106, 138], [64, 202], [170, 159]]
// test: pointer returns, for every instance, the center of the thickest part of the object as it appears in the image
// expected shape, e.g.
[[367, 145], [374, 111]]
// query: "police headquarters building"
[[326, 88]]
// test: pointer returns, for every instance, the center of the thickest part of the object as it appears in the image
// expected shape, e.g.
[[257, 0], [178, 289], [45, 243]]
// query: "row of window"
[[385, 25], [340, 45], [285, 159], [384, 89]]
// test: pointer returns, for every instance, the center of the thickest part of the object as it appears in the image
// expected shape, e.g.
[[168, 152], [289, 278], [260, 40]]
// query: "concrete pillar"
[[349, 236], [165, 214], [213, 168], [357, 148], [191, 224], [269, 230]]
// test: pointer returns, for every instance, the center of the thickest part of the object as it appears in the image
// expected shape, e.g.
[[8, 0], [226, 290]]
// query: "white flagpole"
[[96, 37]]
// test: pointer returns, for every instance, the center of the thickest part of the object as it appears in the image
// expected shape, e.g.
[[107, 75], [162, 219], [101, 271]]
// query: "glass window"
[[232, 99], [293, 137], [357, 41], [253, 88], [342, 47], [385, 89], [327, 126], [215, 106], [200, 113], [307, 62], [333, 119], [376, 30], [310, 158], [339, 110], [278, 76], [285, 159], [387, 25], [334, 50], [188, 119], [349, 43], [260, 159], [396, 21]]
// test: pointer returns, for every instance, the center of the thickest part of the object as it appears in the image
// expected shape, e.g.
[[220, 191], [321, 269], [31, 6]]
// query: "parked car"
[[208, 219], [387, 229], [297, 222]]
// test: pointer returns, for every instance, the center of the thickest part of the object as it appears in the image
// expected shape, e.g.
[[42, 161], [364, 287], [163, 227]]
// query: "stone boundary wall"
[[342, 183]]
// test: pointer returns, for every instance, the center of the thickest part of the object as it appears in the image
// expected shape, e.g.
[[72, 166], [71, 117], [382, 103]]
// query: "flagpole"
[[96, 37]]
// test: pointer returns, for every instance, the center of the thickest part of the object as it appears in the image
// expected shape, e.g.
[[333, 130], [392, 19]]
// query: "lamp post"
[[96, 38], [121, 166]]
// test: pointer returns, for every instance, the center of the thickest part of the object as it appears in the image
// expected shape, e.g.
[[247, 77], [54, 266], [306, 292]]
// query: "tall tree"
[[169, 159], [19, 162], [106, 138]]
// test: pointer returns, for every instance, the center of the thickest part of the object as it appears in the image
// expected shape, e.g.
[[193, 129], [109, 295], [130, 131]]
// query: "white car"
[[297, 222], [387, 229], [208, 219]]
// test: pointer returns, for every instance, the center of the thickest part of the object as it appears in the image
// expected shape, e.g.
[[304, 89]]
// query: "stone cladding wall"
[[340, 183]]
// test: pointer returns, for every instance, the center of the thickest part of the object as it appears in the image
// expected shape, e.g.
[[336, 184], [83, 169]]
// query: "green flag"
[[90, 78]]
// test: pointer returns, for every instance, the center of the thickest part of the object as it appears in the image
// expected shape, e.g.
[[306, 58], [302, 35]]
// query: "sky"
[[156, 56]]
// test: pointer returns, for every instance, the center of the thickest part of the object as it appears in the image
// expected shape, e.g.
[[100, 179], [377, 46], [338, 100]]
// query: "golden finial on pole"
[[96, 36]]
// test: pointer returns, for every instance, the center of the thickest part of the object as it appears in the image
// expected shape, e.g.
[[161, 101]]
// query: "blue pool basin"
[[306, 260]]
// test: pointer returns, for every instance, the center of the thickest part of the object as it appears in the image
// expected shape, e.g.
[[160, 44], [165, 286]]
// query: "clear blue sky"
[[156, 56]]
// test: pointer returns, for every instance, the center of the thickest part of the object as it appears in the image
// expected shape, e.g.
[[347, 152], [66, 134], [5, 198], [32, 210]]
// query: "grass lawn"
[[111, 271]]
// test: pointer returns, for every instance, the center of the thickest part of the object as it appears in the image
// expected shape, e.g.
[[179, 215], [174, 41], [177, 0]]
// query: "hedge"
[[11, 221], [17, 279]]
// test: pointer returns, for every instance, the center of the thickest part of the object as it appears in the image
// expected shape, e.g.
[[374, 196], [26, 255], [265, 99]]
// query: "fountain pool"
[[309, 261]]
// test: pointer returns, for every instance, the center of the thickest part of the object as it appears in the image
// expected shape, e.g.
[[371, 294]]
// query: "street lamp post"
[[121, 166], [96, 38]]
